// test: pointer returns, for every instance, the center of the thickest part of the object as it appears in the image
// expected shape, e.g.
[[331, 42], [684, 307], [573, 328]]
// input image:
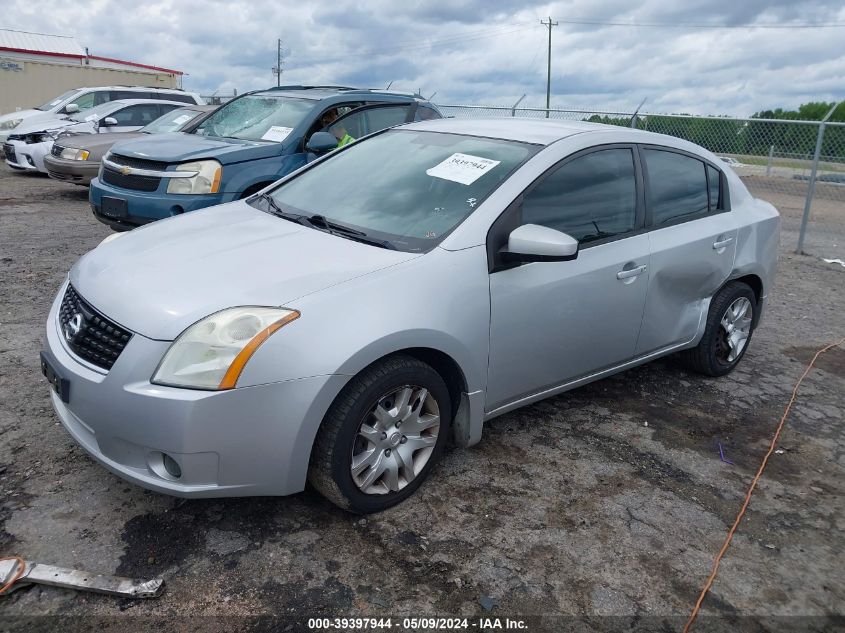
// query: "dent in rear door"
[[686, 270]]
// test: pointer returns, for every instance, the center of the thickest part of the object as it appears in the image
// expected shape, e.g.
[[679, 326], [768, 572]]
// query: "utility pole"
[[278, 68], [549, 24]]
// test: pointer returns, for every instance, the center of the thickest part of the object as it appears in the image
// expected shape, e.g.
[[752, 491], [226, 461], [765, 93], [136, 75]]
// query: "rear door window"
[[677, 186]]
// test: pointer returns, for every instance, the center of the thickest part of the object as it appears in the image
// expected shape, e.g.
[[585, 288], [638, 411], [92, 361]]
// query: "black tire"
[[329, 468], [708, 356]]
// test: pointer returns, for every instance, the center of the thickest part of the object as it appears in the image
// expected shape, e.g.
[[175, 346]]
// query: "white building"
[[35, 68]]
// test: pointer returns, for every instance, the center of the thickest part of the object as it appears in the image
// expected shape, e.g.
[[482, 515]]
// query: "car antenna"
[[389, 84]]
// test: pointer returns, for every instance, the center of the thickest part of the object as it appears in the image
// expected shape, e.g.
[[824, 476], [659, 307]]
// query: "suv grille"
[[130, 181], [88, 333], [138, 163]]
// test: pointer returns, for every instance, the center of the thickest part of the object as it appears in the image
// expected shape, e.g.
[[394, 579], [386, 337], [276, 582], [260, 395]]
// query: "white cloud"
[[468, 52]]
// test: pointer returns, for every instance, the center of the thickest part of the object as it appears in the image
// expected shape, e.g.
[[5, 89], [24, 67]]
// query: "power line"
[[688, 25]]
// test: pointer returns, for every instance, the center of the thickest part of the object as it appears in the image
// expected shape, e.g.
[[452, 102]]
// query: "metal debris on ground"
[[488, 602], [37, 573]]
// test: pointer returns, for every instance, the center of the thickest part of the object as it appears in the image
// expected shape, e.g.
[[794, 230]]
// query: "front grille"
[[57, 149], [138, 163], [89, 334], [130, 181], [9, 152]]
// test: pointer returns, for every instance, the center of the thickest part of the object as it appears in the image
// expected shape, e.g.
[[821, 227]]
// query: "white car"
[[80, 99], [31, 142]]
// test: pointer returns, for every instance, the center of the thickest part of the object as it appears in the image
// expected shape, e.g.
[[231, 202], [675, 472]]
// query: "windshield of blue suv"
[[403, 188], [256, 118]]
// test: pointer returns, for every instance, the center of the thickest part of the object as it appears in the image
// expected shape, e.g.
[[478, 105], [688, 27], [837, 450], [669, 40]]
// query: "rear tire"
[[382, 436], [730, 324]]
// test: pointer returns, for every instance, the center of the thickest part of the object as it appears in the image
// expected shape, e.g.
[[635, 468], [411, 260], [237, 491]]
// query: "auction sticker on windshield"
[[462, 168], [276, 133], [181, 119]]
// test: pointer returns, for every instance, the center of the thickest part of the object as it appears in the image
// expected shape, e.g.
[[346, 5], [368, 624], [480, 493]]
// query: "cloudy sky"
[[477, 51]]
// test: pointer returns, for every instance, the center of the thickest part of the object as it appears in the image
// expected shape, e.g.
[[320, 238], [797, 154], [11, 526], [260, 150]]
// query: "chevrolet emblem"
[[125, 171]]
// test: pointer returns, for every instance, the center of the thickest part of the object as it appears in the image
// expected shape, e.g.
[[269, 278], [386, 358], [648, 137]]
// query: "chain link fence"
[[798, 166]]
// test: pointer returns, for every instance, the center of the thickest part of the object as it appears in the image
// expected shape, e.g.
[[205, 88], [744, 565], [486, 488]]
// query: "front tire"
[[382, 436], [730, 324]]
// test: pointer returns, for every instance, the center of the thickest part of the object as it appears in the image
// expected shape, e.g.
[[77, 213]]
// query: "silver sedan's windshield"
[[96, 112], [173, 121], [405, 187], [256, 118]]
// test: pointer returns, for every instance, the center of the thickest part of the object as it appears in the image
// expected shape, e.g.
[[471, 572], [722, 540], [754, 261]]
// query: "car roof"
[[138, 88], [536, 131], [127, 102]]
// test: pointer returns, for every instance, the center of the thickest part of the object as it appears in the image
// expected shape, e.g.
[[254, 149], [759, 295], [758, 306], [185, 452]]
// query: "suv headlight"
[[71, 153], [10, 124], [207, 179], [212, 353]]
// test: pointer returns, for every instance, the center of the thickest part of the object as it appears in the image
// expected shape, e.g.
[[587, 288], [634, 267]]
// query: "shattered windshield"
[[256, 118]]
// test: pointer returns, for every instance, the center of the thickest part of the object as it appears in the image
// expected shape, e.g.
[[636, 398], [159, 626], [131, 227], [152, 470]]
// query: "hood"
[[165, 276], [177, 147], [25, 114], [96, 144], [43, 124]]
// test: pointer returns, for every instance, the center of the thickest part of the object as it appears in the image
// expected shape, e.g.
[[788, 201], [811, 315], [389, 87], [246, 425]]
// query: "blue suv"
[[247, 144]]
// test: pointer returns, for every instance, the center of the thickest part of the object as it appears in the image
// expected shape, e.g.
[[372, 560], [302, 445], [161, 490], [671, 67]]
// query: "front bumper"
[[143, 207], [26, 156], [78, 172], [242, 442]]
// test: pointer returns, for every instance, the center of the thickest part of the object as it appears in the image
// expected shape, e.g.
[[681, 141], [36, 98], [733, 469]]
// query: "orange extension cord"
[[18, 574], [751, 488]]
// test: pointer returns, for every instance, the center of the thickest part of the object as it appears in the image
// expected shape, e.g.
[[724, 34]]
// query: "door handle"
[[722, 243], [632, 272]]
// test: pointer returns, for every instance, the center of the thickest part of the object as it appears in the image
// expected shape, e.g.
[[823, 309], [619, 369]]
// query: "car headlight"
[[207, 179], [212, 353], [10, 124], [72, 153]]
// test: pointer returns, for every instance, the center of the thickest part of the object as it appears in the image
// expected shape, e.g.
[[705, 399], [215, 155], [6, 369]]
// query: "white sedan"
[[27, 147]]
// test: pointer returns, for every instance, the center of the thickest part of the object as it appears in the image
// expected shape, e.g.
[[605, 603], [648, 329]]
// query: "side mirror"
[[535, 243], [71, 108], [108, 122], [321, 142]]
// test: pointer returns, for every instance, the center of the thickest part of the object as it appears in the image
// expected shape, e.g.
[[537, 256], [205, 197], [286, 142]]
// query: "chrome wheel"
[[735, 330], [395, 440]]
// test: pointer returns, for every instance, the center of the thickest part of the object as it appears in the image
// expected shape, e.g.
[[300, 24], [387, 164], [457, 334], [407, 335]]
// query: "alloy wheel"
[[395, 440]]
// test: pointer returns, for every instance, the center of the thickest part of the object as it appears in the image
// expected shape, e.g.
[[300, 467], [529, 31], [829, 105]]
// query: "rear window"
[[714, 187], [677, 186]]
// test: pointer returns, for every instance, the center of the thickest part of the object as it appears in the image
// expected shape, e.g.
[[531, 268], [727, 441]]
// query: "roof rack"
[[300, 87]]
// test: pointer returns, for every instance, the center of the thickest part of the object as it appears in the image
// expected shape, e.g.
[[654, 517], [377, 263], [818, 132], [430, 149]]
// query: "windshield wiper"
[[321, 222], [275, 209]]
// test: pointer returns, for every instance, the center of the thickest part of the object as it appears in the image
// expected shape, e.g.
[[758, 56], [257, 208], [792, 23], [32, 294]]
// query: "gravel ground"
[[610, 500]]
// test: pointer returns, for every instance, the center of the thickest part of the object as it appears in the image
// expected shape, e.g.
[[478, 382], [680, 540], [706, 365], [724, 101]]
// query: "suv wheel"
[[382, 436]]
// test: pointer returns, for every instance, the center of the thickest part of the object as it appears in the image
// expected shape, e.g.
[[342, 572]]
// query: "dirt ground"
[[611, 500]]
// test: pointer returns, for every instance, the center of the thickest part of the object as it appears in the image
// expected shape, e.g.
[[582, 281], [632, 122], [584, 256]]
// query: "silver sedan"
[[342, 325]]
